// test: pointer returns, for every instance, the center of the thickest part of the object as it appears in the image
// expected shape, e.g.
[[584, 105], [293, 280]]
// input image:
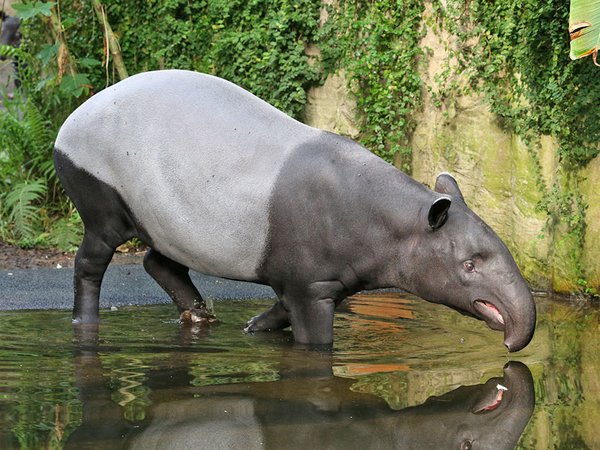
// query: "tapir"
[[216, 180]]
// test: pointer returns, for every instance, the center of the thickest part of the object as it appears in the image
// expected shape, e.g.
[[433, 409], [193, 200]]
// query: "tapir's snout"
[[516, 316], [520, 324]]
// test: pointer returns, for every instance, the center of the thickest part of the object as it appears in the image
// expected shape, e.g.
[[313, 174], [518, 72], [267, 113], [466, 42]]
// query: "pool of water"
[[402, 373]]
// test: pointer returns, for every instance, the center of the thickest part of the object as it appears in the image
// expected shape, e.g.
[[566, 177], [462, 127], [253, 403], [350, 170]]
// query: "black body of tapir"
[[214, 179]]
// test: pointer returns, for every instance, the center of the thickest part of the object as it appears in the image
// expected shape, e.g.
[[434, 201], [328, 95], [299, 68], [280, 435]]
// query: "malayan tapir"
[[216, 180]]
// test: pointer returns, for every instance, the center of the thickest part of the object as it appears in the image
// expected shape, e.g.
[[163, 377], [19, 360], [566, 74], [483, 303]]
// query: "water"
[[403, 373]]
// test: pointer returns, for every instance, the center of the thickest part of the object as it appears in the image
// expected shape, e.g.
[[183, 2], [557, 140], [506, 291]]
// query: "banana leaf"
[[584, 28]]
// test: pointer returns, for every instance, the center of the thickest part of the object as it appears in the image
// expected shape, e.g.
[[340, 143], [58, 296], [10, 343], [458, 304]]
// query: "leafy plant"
[[584, 28], [377, 43], [21, 209], [66, 233], [27, 11]]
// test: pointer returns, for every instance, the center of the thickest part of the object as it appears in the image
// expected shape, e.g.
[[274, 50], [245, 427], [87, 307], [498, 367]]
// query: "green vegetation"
[[377, 43], [584, 29]]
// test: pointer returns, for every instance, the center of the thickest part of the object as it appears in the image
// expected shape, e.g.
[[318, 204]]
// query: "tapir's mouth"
[[490, 314], [491, 402]]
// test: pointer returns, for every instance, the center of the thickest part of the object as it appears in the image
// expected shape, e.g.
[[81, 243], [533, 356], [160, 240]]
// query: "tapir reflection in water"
[[216, 180], [304, 412], [327, 414]]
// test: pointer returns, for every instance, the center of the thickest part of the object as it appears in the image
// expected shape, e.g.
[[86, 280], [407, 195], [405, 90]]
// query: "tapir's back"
[[195, 159]]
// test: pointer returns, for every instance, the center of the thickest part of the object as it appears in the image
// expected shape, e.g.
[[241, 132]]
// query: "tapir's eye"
[[469, 266]]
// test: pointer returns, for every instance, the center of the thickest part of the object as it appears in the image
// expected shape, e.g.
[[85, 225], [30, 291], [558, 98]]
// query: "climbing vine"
[[377, 44], [257, 44]]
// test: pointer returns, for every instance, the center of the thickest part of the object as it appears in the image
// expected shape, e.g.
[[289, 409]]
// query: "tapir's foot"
[[199, 316], [275, 318]]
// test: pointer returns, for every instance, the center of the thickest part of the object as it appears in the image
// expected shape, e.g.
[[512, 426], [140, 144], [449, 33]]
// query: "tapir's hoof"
[[266, 321], [196, 316], [252, 325]]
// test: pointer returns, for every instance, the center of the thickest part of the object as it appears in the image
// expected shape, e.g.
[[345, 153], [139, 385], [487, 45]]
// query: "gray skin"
[[307, 407], [216, 180]]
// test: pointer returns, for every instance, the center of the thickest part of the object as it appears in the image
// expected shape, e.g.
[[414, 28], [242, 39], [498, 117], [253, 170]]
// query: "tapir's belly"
[[195, 159]]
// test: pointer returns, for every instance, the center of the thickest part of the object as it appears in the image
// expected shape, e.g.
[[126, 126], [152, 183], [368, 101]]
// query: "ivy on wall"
[[377, 43], [516, 54]]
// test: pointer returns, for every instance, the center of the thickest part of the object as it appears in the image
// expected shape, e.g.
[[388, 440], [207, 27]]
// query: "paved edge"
[[123, 285]]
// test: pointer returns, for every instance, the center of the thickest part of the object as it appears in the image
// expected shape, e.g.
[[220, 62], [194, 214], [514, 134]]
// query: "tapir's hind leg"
[[174, 278], [107, 223], [91, 262]]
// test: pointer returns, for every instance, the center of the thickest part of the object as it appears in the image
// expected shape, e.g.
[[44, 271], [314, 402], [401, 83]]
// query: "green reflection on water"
[[395, 347]]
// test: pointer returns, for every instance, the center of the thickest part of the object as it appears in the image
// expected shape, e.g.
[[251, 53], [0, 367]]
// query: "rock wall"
[[499, 175]]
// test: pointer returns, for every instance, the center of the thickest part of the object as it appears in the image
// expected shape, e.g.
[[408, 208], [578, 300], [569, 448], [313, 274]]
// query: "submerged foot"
[[264, 322], [197, 316]]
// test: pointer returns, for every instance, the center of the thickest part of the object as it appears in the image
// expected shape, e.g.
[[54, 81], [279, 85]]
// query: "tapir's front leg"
[[308, 310], [312, 321], [311, 311]]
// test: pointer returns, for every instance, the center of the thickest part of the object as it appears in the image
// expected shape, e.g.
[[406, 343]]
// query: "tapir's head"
[[460, 262], [486, 416]]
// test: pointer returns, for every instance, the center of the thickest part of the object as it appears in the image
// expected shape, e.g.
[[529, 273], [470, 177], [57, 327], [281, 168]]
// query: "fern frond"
[[67, 233], [38, 129], [9, 51], [21, 208]]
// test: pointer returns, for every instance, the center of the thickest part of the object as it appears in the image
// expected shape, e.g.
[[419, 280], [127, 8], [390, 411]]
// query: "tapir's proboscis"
[[216, 180]]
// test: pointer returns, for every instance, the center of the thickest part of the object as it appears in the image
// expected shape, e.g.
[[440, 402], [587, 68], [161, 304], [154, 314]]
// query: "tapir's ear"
[[438, 212], [446, 184]]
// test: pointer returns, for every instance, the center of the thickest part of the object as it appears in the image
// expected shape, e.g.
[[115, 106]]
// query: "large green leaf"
[[584, 28], [28, 10]]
